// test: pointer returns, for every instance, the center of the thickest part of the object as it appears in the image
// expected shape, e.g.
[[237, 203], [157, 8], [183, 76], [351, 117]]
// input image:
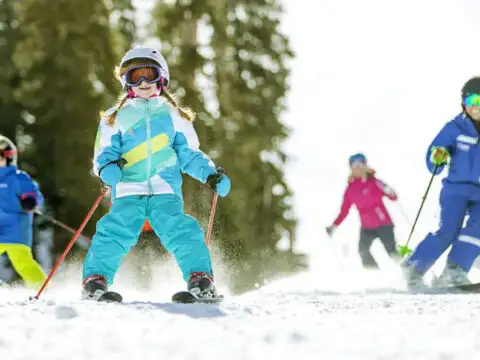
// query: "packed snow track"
[[274, 322]]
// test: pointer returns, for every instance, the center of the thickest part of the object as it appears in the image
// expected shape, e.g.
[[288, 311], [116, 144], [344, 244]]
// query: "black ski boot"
[[201, 286], [93, 287]]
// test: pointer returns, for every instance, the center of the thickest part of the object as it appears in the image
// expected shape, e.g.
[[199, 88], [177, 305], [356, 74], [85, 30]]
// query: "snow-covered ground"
[[294, 318]]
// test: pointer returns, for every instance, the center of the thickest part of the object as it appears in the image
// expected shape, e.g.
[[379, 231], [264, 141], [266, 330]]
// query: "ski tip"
[[183, 297], [110, 296]]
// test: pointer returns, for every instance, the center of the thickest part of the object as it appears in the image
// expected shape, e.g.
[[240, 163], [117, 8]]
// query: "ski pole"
[[82, 238], [70, 244], [220, 170], [212, 217], [405, 250]]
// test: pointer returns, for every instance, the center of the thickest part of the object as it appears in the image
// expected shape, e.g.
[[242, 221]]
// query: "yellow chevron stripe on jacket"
[[140, 152]]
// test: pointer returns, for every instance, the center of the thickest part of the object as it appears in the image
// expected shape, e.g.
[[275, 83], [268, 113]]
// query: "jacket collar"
[[143, 104]]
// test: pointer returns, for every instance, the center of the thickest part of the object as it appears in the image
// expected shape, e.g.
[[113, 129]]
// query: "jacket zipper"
[[149, 149]]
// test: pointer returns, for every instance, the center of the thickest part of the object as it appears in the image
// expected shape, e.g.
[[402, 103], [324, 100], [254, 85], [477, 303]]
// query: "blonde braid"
[[186, 112], [120, 102]]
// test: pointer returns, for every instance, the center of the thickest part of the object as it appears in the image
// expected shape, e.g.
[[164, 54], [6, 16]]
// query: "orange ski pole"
[[70, 244], [212, 217]]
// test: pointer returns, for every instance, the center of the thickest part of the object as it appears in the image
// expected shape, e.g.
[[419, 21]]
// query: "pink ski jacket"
[[367, 195]]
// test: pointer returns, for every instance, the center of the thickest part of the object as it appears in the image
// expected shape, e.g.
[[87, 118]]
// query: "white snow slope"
[[289, 319], [380, 76]]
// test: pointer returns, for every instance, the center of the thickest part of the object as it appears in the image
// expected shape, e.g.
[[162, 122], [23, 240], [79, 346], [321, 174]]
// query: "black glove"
[[214, 179], [28, 203]]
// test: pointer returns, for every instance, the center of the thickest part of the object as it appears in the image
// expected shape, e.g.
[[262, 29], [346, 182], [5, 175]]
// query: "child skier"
[[458, 142], [366, 192], [19, 196], [143, 144]]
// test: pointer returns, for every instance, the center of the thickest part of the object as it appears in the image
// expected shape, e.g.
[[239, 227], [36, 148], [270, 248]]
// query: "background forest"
[[228, 62]]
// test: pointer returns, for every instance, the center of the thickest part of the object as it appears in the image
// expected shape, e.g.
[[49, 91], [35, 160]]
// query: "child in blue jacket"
[[458, 143], [143, 145], [19, 195]]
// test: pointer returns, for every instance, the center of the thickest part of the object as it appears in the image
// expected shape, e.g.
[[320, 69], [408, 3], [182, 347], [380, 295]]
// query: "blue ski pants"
[[118, 231], [465, 242]]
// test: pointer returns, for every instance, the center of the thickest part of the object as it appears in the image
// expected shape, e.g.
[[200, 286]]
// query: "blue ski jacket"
[[15, 223]]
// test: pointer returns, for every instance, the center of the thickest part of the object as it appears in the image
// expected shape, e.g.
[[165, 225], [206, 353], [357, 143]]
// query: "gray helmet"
[[143, 52], [8, 150]]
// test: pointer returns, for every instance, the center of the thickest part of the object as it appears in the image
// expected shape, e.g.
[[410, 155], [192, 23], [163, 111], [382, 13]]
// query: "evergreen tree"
[[10, 109], [122, 18], [65, 58]]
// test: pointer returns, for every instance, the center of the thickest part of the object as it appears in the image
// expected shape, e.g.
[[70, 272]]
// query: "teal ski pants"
[[118, 231]]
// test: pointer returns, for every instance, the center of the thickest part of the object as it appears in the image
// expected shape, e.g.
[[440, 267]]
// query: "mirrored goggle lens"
[[150, 74], [472, 100]]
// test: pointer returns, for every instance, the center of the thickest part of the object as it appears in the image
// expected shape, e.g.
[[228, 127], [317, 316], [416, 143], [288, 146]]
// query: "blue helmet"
[[359, 157]]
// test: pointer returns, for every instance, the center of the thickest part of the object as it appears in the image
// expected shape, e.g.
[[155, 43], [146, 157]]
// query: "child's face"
[[358, 169], [144, 90], [473, 112]]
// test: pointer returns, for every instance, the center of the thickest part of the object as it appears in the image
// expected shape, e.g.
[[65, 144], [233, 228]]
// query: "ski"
[[110, 296], [184, 297], [466, 288]]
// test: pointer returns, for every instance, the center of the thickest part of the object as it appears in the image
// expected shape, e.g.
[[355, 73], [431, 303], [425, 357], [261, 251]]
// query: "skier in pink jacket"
[[366, 192]]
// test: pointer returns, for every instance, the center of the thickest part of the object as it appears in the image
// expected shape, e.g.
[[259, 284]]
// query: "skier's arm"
[[444, 139], [29, 194], [107, 154], [191, 159], [387, 190], [344, 210]]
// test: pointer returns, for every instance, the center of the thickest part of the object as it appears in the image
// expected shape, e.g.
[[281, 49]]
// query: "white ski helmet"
[[143, 52], [8, 150]]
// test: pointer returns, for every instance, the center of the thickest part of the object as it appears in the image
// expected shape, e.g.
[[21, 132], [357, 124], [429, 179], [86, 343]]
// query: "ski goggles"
[[472, 100], [148, 72]]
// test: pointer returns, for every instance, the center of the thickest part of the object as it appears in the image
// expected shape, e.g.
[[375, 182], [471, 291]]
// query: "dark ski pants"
[[367, 236]]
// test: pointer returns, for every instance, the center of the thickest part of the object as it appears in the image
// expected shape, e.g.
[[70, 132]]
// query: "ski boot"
[[201, 286], [413, 278], [93, 287], [453, 275]]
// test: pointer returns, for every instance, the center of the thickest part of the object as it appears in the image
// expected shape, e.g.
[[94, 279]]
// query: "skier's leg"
[[452, 212], [22, 261], [387, 237], [366, 239], [467, 247], [116, 233], [180, 233]]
